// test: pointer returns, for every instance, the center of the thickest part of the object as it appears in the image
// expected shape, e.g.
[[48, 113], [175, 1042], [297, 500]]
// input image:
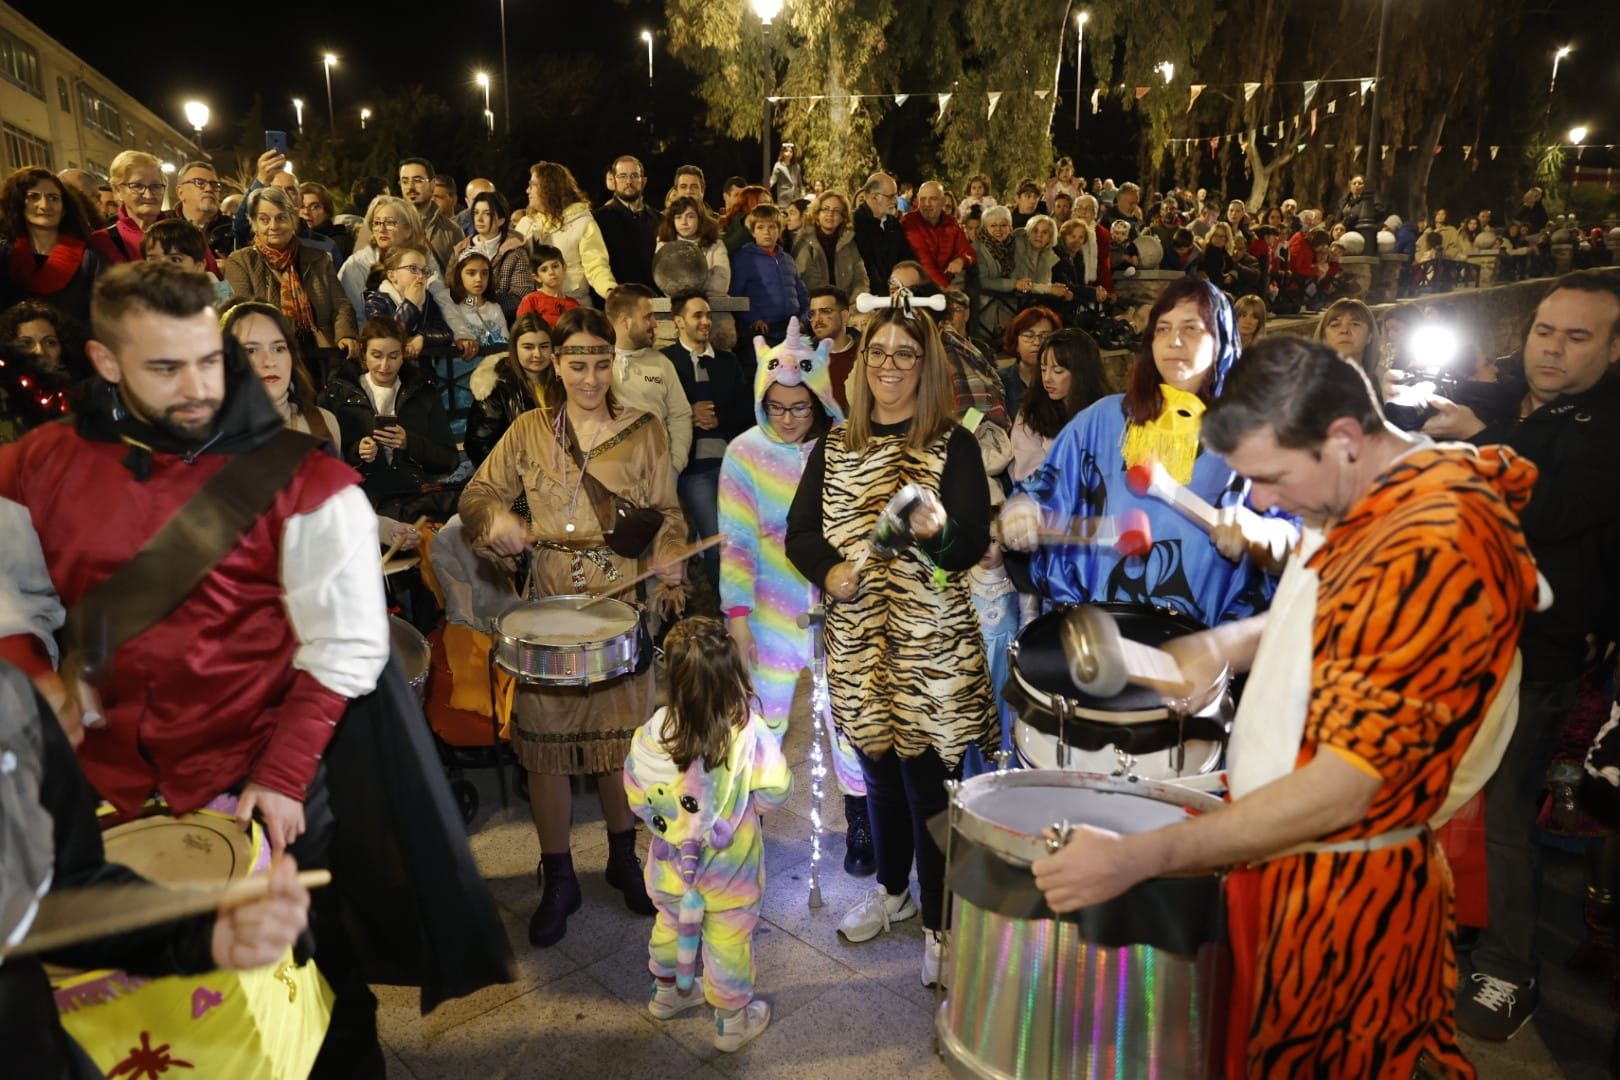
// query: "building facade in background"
[[59, 112]]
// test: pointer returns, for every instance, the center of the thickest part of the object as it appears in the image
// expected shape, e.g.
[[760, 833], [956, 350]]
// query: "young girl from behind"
[[699, 773]]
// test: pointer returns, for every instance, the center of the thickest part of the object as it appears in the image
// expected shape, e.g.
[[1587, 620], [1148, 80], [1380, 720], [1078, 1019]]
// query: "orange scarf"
[[294, 300]]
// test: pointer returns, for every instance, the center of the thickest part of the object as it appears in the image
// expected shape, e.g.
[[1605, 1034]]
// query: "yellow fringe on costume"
[[1172, 439]]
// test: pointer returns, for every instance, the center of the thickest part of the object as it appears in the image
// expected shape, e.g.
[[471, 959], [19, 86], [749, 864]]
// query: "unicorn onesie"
[[757, 481], [706, 870]]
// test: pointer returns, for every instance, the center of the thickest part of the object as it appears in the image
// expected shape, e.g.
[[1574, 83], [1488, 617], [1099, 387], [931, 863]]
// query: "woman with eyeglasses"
[[1191, 343], [905, 663], [825, 251], [507, 385], [391, 220], [45, 251], [283, 271], [137, 181], [1023, 337], [577, 466]]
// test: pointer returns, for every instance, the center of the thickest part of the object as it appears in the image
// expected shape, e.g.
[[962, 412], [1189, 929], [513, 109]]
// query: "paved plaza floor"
[[578, 1010]]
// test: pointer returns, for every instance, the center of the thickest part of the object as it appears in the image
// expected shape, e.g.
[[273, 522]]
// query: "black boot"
[[624, 872], [559, 898], [858, 858]]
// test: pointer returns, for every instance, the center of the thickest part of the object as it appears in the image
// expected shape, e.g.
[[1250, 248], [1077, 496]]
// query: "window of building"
[[23, 149], [19, 63], [100, 114], [95, 167], [62, 98]]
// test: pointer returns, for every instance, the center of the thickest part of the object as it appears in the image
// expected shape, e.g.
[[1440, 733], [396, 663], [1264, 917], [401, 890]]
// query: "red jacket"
[[937, 245], [1301, 257], [208, 697]]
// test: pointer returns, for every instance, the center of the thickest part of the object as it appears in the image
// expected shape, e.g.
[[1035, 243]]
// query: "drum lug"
[[1127, 762], [1057, 836]]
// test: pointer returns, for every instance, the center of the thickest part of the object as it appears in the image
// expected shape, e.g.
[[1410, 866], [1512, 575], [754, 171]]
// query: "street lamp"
[[506, 79], [298, 108], [1079, 51], [1577, 134], [328, 61], [482, 79], [646, 35], [365, 114], [766, 10], [197, 117]]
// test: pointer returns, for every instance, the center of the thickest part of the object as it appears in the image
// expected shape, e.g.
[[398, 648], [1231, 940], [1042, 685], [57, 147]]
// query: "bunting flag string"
[[901, 99], [994, 97], [944, 100]]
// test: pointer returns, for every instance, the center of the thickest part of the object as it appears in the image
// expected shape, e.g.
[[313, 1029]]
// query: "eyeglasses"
[[412, 268], [202, 185], [629, 176], [415, 181], [1034, 337], [903, 359], [801, 410], [149, 189], [384, 223]]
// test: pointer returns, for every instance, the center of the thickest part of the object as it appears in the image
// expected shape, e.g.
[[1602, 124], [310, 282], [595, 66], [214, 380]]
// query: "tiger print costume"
[[1424, 587], [905, 662]]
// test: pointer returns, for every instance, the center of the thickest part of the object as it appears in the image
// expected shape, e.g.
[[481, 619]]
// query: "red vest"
[[185, 700]]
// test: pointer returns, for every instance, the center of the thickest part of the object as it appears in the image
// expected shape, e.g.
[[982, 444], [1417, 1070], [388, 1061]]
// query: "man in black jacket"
[[629, 226], [878, 235], [720, 386], [1569, 427]]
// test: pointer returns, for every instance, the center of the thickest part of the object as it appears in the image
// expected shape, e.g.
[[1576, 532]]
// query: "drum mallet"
[[1130, 533], [1101, 660], [1152, 479]]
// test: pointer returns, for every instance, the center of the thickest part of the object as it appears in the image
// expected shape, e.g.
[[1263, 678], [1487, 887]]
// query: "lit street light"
[[766, 10], [646, 35], [298, 108], [482, 79], [328, 62], [1167, 69], [365, 114], [197, 117], [167, 168], [1079, 51], [1577, 134]]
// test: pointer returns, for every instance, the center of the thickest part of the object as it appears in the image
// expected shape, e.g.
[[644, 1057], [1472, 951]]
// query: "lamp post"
[[482, 79], [506, 78], [646, 35], [1374, 154], [328, 61], [197, 117], [1079, 51], [298, 110], [365, 114], [766, 10]]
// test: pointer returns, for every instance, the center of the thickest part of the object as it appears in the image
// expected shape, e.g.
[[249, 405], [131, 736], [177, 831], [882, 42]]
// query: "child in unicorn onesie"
[[699, 773], [761, 594]]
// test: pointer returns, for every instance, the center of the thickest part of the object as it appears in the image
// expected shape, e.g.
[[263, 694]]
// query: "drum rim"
[[1022, 848]]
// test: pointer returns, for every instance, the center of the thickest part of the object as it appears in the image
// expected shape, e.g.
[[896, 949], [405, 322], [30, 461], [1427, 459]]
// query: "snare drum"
[[415, 657], [559, 640], [1060, 726], [267, 1023], [1133, 987]]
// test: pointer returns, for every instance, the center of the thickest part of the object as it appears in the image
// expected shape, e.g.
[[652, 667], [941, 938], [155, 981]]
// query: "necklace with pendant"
[[585, 457]]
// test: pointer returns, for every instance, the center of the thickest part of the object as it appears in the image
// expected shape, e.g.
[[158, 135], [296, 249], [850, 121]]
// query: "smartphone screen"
[[386, 420], [275, 140]]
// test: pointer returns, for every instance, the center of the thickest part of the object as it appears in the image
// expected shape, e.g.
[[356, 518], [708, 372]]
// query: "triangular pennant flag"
[[1141, 92], [1096, 103], [1266, 131], [1333, 106], [995, 99], [1383, 152], [814, 101], [1296, 120], [1313, 121], [1248, 90], [1214, 144], [944, 100], [1437, 150], [1192, 96], [1366, 85], [1467, 152], [1409, 149], [1358, 150], [1494, 149], [1310, 90], [901, 99], [1300, 149], [1042, 94]]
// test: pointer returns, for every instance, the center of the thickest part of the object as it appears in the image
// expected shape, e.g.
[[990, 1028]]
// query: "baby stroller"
[[468, 699]]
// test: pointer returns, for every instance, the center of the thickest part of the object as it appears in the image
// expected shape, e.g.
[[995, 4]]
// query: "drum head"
[[194, 849], [1040, 661], [559, 620], [410, 646]]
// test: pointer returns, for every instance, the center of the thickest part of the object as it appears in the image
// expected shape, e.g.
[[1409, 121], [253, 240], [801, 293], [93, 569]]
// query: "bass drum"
[[1060, 726]]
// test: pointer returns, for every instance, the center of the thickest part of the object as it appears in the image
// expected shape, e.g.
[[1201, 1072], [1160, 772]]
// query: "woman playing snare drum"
[[572, 464]]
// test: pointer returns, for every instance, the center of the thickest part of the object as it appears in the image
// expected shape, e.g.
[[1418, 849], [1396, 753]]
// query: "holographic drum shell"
[[1133, 987]]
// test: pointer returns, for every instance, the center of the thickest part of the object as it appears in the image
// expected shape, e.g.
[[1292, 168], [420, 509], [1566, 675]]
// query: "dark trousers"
[[1507, 947], [901, 795], [699, 491]]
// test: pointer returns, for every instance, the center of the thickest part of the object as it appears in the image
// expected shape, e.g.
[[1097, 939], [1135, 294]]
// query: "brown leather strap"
[[143, 591]]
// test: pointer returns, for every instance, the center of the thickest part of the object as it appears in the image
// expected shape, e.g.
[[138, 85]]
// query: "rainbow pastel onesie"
[[706, 870], [757, 481]]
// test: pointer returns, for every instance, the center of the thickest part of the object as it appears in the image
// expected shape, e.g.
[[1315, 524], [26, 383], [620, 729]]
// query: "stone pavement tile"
[[857, 1031], [399, 1019], [790, 975], [571, 1028]]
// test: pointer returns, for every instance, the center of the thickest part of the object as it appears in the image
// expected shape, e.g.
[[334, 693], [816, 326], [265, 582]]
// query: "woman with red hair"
[[1023, 337], [1190, 344], [733, 221]]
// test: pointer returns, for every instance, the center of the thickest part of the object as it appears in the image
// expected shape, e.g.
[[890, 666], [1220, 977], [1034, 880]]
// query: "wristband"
[[738, 612]]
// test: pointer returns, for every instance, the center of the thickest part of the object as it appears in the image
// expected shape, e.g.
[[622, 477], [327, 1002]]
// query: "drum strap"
[[147, 588]]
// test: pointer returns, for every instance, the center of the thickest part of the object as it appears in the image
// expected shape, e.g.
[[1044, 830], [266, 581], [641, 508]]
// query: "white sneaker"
[[875, 913], [933, 960], [735, 1032], [667, 1001]]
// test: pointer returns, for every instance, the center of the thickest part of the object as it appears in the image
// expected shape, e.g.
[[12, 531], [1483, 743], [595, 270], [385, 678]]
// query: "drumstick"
[[1153, 668], [680, 557], [393, 548], [1150, 478], [74, 916], [1130, 532]]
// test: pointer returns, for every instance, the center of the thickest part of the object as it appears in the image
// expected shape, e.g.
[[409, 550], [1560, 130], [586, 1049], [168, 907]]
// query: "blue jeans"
[[998, 625], [699, 491]]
